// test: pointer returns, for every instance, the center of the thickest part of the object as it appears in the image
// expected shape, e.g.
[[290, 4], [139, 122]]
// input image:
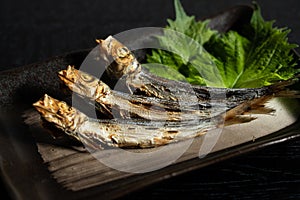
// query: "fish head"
[[83, 84], [59, 113], [126, 63]]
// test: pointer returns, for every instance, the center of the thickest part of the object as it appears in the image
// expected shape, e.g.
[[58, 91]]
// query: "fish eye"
[[86, 78], [99, 83], [122, 52]]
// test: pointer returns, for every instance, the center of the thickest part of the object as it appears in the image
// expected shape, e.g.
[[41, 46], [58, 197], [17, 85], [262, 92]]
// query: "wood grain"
[[76, 169]]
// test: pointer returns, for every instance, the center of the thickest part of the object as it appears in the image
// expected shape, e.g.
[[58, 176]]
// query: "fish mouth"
[[71, 79], [83, 84], [59, 113], [47, 104], [52, 109], [65, 74]]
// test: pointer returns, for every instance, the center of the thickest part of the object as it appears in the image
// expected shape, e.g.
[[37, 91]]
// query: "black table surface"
[[34, 30]]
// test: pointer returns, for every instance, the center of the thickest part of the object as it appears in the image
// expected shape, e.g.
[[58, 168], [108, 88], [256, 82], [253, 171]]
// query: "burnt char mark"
[[136, 101], [202, 93], [248, 93], [160, 105], [172, 132], [151, 128], [103, 112], [139, 91]]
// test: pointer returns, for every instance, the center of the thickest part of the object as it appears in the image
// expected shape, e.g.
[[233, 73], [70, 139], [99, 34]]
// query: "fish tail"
[[285, 89]]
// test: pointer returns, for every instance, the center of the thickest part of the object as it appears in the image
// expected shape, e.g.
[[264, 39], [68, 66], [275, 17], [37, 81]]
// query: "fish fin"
[[260, 110], [288, 94], [90, 143], [281, 88], [239, 119], [240, 114], [252, 106]]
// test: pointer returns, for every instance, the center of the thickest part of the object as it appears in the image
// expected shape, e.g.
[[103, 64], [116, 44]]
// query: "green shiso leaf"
[[229, 51], [270, 57], [257, 56]]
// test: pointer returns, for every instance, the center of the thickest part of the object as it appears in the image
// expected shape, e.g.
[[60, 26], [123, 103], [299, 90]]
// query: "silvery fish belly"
[[118, 133], [128, 105]]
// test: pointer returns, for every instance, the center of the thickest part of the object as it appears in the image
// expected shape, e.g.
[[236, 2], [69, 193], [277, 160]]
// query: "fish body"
[[118, 133], [127, 105], [160, 111], [142, 82]]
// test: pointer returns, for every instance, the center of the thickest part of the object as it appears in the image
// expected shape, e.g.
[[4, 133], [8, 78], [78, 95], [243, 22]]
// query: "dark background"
[[32, 31]]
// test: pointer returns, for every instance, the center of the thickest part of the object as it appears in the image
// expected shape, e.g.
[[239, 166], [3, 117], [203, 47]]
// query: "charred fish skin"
[[116, 133], [134, 133], [148, 108], [145, 83], [111, 102]]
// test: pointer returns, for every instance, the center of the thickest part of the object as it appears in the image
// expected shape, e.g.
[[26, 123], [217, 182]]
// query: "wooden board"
[[76, 169]]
